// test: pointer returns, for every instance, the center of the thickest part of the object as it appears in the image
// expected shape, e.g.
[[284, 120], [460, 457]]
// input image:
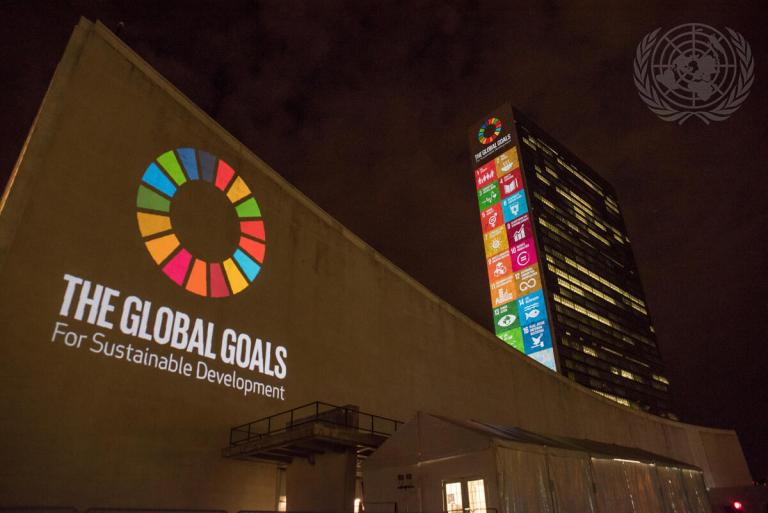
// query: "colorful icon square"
[[519, 229], [536, 337], [495, 241], [532, 308], [503, 294], [528, 280], [514, 206], [491, 217], [503, 282], [485, 174], [507, 162], [499, 266], [523, 254], [511, 183], [506, 317], [488, 195], [514, 338]]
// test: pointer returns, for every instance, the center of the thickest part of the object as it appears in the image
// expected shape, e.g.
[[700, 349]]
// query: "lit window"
[[612, 351], [598, 237], [527, 140], [612, 397], [581, 177], [541, 177]]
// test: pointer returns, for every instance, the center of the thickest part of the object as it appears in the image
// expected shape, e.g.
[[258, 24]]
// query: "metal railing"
[[343, 416]]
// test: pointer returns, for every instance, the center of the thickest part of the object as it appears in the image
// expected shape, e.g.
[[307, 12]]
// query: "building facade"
[[161, 286], [575, 301]]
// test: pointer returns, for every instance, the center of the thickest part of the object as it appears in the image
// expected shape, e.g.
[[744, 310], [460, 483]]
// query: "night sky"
[[365, 106]]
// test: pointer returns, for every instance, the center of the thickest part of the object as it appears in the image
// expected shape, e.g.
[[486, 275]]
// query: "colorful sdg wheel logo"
[[489, 131], [200, 223]]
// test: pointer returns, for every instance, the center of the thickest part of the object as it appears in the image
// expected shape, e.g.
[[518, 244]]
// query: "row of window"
[[614, 355], [611, 205], [616, 338], [582, 249], [537, 145], [605, 354], [635, 399], [628, 322], [578, 286], [563, 217], [581, 208], [592, 191], [612, 397], [589, 183], [576, 213], [634, 301], [612, 382], [567, 318], [561, 234], [585, 311], [619, 371], [628, 336], [620, 310]]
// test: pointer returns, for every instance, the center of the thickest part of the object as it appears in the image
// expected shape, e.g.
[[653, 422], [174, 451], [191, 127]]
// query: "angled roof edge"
[[592, 448]]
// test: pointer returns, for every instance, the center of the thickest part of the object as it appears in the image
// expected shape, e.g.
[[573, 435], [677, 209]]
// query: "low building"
[[438, 464]]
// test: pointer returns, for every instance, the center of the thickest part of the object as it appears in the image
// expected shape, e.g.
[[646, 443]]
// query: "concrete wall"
[[325, 484], [85, 430]]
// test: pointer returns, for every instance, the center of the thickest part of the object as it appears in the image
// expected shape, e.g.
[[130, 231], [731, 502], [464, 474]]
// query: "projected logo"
[[489, 131], [694, 70], [200, 223]]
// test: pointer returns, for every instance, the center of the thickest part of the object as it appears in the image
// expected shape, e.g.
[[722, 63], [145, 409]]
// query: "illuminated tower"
[[564, 284]]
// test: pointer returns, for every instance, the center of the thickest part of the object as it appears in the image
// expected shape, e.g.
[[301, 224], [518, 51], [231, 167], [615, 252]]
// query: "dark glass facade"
[[602, 331]]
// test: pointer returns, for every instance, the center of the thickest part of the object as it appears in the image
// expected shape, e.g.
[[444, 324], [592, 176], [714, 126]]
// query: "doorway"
[[464, 496]]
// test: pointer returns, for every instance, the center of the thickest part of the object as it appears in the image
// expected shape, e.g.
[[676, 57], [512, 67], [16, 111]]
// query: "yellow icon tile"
[[237, 281], [150, 224], [238, 190], [161, 247]]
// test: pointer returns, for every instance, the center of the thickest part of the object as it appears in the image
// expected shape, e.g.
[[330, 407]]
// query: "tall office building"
[[564, 284]]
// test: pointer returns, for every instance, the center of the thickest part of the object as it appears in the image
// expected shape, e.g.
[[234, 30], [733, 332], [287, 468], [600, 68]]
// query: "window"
[[464, 496]]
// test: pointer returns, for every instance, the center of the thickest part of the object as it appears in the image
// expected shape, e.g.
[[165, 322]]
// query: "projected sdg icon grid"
[[519, 310]]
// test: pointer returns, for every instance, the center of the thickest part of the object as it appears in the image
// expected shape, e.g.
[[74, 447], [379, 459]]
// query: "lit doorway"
[[465, 496]]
